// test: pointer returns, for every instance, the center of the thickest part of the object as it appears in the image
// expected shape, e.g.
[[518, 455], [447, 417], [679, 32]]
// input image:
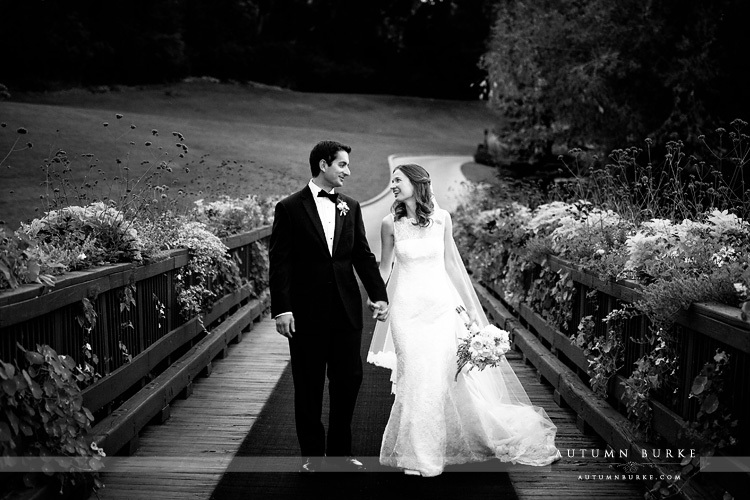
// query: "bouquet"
[[481, 347]]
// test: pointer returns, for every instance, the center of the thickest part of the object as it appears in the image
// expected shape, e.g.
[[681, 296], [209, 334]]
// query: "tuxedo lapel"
[[340, 220], [312, 211]]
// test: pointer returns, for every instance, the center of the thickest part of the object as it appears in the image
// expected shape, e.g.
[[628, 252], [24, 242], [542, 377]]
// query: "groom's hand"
[[285, 325]]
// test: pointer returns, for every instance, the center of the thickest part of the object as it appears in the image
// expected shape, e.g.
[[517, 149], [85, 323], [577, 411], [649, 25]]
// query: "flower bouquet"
[[482, 347]]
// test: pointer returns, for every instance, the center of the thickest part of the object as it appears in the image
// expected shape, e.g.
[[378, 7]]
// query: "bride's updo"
[[420, 181]]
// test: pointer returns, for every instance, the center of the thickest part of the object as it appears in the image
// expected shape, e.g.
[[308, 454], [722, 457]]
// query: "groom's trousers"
[[325, 347]]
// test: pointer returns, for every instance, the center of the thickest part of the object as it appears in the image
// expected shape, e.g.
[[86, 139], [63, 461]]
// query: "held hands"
[[285, 325], [379, 309]]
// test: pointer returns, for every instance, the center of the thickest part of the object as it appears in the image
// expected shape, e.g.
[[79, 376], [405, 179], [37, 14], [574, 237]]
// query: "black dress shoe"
[[345, 464], [311, 464]]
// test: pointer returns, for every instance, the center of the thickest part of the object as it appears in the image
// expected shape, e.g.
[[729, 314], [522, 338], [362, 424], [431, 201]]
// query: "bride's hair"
[[420, 180]]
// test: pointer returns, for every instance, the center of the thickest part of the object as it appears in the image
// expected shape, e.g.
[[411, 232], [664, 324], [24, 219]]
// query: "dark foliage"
[[602, 74], [373, 46]]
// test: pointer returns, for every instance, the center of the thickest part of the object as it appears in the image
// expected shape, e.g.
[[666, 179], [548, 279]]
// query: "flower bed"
[[557, 262]]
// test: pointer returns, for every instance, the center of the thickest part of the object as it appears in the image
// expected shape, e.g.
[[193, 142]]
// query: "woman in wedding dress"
[[435, 420]]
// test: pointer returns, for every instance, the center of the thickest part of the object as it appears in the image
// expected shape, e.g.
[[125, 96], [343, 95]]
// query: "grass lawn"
[[242, 139]]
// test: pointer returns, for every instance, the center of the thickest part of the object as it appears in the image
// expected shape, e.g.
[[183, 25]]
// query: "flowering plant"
[[210, 269], [226, 215], [85, 236], [482, 347], [343, 208]]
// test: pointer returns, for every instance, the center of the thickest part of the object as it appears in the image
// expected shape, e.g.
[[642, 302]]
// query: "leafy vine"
[[551, 295]]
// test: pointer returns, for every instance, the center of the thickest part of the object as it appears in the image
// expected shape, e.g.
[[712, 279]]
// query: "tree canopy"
[[598, 74], [411, 47]]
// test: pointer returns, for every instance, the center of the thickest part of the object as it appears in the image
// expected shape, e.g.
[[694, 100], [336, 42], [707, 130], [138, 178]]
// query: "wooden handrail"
[[31, 300], [593, 412], [717, 321]]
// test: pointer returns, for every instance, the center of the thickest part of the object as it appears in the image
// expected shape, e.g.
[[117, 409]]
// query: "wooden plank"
[[29, 291], [558, 339], [622, 290], [240, 240], [227, 302], [113, 385], [726, 314], [114, 277], [718, 324], [74, 286], [718, 321], [178, 258], [207, 424], [115, 430], [555, 337]]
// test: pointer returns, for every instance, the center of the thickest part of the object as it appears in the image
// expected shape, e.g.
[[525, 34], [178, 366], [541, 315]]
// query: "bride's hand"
[[473, 316]]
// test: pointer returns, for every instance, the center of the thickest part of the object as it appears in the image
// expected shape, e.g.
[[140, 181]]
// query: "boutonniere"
[[343, 208]]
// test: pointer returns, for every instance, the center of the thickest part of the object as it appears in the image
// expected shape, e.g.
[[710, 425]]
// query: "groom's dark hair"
[[325, 150]]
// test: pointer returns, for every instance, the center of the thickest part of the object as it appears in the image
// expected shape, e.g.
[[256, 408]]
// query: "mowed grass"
[[242, 139]]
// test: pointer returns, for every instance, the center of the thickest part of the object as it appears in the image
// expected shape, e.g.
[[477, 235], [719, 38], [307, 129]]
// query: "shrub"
[[226, 216], [676, 262], [20, 262], [44, 417], [86, 236], [209, 269]]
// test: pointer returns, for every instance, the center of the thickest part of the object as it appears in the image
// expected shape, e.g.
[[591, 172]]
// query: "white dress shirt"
[[327, 214]]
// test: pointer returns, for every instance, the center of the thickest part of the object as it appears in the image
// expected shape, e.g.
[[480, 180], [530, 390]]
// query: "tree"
[[598, 74]]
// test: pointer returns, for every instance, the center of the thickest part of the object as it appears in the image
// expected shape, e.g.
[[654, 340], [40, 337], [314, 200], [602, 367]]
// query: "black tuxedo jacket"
[[301, 267]]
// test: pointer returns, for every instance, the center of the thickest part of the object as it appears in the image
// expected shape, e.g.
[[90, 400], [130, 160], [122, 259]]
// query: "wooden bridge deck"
[[209, 426]]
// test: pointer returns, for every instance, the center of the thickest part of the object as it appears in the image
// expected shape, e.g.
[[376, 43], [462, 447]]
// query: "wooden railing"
[[168, 352], [698, 332]]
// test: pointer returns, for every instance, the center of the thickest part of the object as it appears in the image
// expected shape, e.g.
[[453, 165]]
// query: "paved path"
[[446, 175]]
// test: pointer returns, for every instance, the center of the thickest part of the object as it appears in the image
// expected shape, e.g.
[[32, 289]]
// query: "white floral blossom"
[[480, 348], [723, 222], [86, 231], [724, 255], [549, 215], [227, 215], [343, 208]]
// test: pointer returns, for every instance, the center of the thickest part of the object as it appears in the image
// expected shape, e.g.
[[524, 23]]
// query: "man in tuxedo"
[[318, 241]]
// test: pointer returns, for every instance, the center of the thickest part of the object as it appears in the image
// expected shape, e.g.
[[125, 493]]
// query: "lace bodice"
[[420, 247]]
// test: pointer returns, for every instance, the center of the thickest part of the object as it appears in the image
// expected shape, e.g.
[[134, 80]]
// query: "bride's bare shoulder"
[[442, 214], [387, 222]]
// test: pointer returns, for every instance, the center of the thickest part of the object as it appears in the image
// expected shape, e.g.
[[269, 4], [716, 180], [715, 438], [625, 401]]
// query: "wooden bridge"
[[223, 407], [173, 418]]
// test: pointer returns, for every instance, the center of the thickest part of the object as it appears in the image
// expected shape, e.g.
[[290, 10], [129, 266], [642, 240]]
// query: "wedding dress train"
[[437, 421]]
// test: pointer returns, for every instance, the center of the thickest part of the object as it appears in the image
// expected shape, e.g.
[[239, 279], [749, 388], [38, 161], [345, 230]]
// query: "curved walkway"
[[447, 179]]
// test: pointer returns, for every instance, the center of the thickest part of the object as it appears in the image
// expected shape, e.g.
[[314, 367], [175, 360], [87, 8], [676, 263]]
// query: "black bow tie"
[[331, 196]]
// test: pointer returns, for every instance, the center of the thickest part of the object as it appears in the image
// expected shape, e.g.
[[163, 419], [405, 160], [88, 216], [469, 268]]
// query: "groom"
[[318, 241]]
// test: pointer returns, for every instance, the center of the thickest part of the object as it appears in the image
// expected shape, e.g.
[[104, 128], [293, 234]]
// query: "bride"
[[437, 421]]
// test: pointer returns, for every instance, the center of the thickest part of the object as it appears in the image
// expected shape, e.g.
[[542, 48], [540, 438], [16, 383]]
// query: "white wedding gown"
[[436, 421]]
